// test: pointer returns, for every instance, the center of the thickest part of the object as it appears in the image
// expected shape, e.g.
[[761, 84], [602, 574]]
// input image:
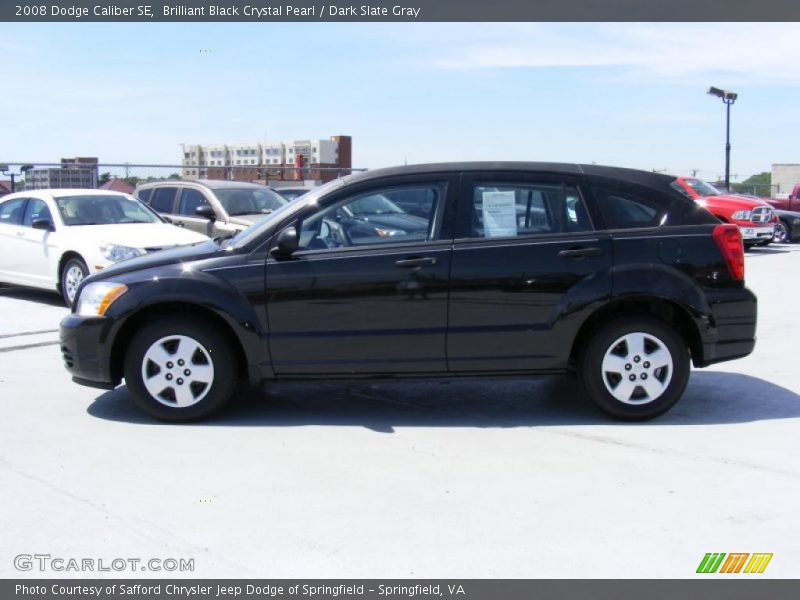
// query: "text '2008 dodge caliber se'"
[[518, 268]]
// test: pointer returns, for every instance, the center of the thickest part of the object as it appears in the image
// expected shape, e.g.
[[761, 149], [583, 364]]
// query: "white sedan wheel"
[[72, 281]]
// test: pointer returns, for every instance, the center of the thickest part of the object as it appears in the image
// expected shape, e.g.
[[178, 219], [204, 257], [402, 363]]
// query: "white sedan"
[[52, 239]]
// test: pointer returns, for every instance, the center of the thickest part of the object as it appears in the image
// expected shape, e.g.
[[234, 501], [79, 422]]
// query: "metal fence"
[[22, 175]]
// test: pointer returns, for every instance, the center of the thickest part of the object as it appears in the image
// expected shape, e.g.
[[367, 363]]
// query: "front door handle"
[[579, 253], [415, 263], [178, 223]]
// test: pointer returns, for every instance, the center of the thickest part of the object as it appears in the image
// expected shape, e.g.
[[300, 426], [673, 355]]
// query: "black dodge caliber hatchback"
[[498, 269]]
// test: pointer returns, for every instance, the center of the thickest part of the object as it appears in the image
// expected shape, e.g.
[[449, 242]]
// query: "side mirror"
[[44, 224], [205, 211], [286, 242]]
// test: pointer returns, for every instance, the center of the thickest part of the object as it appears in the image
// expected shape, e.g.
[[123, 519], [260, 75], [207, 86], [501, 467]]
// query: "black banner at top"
[[398, 10]]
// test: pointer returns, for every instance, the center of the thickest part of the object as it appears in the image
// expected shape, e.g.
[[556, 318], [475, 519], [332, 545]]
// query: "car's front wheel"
[[73, 273], [781, 233], [635, 368], [180, 369]]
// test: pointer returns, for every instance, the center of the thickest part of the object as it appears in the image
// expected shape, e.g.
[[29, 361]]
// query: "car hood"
[[138, 235], [164, 257], [247, 220], [730, 202]]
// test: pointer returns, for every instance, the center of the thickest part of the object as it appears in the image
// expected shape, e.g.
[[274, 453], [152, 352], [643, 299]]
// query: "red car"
[[754, 218]]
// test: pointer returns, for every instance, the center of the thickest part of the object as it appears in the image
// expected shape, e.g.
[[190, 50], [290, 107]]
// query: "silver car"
[[212, 207]]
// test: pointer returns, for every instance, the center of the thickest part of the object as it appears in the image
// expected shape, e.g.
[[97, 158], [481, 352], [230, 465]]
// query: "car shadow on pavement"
[[764, 251], [32, 295], [710, 398]]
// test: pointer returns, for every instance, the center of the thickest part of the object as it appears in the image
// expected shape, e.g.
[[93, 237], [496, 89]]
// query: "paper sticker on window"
[[499, 214]]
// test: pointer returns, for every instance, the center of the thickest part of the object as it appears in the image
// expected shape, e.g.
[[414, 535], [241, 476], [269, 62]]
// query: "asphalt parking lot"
[[481, 479]]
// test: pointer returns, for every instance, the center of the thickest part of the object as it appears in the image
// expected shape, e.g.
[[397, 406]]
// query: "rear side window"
[[190, 200], [622, 209], [11, 211], [144, 195], [163, 199], [518, 209]]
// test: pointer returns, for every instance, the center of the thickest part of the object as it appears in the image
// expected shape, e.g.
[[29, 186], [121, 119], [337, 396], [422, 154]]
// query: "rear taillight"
[[729, 240]]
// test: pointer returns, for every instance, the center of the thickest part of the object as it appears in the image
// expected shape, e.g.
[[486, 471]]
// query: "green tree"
[[104, 178], [759, 184]]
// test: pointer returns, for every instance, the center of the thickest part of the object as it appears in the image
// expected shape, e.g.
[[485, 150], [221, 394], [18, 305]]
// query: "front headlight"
[[116, 253], [741, 215], [96, 297]]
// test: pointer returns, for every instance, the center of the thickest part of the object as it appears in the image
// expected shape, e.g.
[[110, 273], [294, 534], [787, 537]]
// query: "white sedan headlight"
[[116, 253], [96, 297]]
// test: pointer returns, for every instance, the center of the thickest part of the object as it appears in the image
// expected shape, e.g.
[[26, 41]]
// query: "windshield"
[[702, 188], [248, 235], [249, 201], [98, 209]]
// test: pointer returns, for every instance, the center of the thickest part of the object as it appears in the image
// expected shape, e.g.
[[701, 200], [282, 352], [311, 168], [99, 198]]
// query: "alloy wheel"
[[177, 371], [637, 368]]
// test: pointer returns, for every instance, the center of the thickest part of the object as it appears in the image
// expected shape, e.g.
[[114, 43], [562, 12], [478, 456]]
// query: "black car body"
[[788, 227], [520, 268]]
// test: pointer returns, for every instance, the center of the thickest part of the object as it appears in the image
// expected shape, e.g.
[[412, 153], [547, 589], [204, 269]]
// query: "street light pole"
[[728, 98]]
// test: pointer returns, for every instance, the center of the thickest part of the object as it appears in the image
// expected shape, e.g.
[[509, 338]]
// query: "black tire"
[[638, 408], [69, 279], [782, 235], [214, 349]]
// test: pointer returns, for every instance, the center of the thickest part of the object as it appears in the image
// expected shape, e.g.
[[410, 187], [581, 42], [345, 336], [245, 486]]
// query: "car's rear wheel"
[[635, 368], [781, 233], [180, 369], [73, 273]]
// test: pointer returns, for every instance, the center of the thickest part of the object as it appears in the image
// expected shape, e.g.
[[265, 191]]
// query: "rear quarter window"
[[144, 195], [620, 208]]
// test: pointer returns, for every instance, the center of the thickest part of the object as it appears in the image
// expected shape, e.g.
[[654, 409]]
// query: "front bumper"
[[757, 233], [86, 350], [732, 333]]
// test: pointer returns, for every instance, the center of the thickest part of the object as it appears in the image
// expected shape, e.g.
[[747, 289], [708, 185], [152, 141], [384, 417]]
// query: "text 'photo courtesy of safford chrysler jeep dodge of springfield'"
[[477, 269]]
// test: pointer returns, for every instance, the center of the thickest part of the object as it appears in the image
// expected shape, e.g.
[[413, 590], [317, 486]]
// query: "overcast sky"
[[620, 94]]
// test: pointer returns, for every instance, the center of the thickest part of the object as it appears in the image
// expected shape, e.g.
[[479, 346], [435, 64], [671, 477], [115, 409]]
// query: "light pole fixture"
[[728, 98]]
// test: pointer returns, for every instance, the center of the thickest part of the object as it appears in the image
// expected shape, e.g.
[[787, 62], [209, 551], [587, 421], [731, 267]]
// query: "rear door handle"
[[415, 263], [578, 253]]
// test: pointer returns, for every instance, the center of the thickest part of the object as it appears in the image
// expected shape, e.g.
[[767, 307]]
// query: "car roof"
[[213, 184], [59, 192], [630, 175]]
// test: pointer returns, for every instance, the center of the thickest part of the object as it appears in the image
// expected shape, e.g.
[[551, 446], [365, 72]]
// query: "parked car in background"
[[787, 223], [291, 193], [520, 268], [787, 229], [53, 239], [214, 208], [790, 203], [753, 217]]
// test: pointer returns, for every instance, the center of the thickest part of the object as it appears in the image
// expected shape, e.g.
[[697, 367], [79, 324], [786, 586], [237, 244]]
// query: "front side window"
[[11, 211], [99, 209], [387, 216], [36, 210], [519, 209], [622, 209], [190, 201]]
